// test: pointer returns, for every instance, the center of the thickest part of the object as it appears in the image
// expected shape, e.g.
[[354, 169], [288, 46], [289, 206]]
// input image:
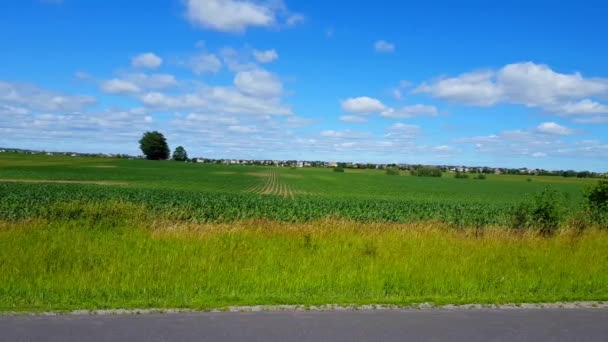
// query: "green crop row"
[[72, 201]]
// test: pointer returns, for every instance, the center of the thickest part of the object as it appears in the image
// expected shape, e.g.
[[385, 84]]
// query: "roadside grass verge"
[[116, 262]]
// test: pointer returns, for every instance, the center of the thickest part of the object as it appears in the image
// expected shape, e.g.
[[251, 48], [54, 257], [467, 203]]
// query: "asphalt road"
[[373, 325]]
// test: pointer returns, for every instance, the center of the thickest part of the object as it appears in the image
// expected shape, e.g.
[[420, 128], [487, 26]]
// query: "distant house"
[[332, 164]]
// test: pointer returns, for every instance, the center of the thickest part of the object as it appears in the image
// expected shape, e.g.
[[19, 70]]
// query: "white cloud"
[[362, 105], [204, 63], [266, 56], [238, 15], [544, 142], [242, 129], [353, 118], [13, 111], [146, 60], [118, 86], [410, 111], [554, 128], [223, 100], [404, 127], [401, 131], [582, 107], [528, 84], [258, 83], [384, 46], [344, 134], [152, 81], [136, 83], [221, 119], [475, 88], [32, 97], [106, 130]]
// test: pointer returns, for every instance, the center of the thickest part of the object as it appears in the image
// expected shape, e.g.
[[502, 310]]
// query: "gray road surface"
[[372, 325]]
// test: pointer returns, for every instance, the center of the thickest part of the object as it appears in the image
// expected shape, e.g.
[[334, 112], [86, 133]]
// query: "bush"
[[393, 172], [461, 175], [543, 213], [426, 172], [597, 202], [480, 176], [338, 169]]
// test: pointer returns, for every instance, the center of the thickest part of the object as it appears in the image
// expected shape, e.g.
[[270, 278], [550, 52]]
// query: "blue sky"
[[513, 84]]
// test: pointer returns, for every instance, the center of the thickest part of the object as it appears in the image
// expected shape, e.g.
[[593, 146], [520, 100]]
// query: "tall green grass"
[[119, 263]]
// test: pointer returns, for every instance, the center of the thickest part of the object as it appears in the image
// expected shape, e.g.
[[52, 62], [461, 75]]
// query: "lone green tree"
[[154, 146], [180, 154]]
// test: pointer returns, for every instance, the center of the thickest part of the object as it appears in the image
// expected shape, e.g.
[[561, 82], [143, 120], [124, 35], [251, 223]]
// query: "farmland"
[[80, 232], [203, 192]]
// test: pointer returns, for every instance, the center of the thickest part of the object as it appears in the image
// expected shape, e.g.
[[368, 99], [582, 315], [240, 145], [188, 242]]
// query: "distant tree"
[[426, 172], [180, 154], [392, 171], [154, 146]]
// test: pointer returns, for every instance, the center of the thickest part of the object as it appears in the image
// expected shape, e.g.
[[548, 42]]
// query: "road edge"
[[327, 307]]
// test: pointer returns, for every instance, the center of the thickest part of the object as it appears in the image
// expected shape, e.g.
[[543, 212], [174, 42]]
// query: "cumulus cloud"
[[528, 84], [152, 81], [554, 128], [204, 63], [384, 46], [265, 56], [118, 86], [238, 15], [582, 107], [136, 83], [258, 83], [146, 60], [362, 105]]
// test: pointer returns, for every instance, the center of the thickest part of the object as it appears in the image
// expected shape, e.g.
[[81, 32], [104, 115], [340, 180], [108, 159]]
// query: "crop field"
[[80, 232], [34, 186]]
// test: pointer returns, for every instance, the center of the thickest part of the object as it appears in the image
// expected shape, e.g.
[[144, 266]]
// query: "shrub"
[[461, 175], [426, 172], [393, 172], [338, 169], [480, 176], [542, 214], [597, 202]]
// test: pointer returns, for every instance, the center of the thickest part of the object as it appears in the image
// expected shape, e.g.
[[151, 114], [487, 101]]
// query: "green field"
[[92, 233], [32, 185]]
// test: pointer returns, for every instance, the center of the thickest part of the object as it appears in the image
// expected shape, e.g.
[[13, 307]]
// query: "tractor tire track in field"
[[272, 184]]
